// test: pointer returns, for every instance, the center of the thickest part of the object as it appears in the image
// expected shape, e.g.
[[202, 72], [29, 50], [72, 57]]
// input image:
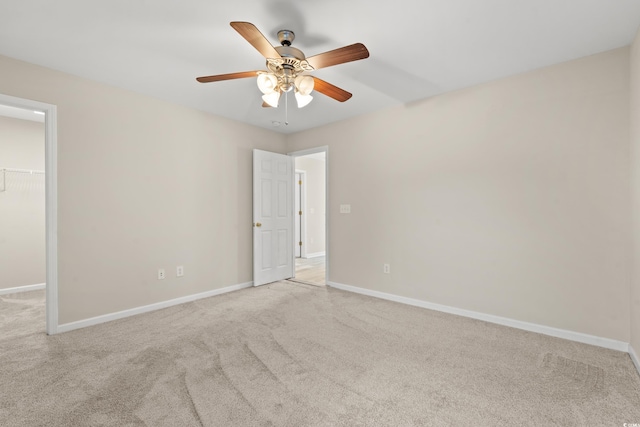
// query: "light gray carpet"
[[294, 355], [21, 314]]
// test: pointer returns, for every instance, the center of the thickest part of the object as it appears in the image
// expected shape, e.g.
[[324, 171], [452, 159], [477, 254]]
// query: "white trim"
[[315, 255], [532, 327], [327, 222], [22, 289], [51, 202], [309, 151], [51, 191], [303, 208], [634, 358], [21, 113], [327, 214], [66, 327]]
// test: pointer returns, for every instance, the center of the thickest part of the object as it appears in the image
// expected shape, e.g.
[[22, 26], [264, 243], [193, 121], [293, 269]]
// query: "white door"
[[272, 217]]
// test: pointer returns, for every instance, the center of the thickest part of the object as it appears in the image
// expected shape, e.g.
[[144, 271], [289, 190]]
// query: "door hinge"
[[300, 182], [299, 212], [300, 243]]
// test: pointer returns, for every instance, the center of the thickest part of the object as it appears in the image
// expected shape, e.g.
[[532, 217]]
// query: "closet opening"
[[28, 205]]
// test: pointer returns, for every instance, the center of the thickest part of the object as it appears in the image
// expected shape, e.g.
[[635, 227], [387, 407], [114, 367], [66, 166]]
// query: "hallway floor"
[[311, 270]]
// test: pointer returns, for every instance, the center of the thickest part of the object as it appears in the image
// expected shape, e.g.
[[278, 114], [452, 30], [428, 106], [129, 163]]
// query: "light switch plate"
[[345, 209]]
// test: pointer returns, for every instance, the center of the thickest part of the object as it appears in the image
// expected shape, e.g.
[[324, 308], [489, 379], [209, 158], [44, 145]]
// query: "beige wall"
[[22, 222], [315, 186], [143, 184], [635, 165], [510, 198]]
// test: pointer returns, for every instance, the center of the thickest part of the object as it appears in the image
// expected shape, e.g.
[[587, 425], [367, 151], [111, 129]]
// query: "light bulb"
[[272, 99], [304, 84], [303, 100], [267, 83]]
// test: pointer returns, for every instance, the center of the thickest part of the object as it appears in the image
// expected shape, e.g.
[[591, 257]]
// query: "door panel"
[[272, 217], [266, 250], [283, 195], [284, 240], [266, 199]]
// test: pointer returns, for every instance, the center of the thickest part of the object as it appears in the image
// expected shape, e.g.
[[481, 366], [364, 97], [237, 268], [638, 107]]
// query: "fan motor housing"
[[290, 52], [292, 60]]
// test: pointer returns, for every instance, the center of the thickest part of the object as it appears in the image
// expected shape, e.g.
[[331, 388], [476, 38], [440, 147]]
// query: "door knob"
[[258, 224]]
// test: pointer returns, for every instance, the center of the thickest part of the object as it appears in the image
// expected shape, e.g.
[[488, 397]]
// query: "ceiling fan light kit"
[[304, 84], [272, 99], [267, 82], [272, 85], [303, 100], [287, 67]]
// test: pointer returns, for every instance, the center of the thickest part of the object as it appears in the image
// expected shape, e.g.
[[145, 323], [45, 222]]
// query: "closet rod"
[[22, 171]]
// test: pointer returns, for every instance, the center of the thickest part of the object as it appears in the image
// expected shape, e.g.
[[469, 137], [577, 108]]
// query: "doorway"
[[310, 245], [22, 220], [29, 181]]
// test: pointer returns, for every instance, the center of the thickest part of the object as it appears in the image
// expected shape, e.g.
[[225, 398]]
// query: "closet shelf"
[[4, 171]]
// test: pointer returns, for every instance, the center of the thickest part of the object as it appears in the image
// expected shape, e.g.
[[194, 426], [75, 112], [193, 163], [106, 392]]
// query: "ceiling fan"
[[287, 67]]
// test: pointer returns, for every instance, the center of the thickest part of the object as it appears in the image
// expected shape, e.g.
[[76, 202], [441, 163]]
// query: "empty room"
[[291, 213]]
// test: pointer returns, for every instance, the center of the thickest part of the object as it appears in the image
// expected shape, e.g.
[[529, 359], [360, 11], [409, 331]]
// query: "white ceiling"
[[418, 48]]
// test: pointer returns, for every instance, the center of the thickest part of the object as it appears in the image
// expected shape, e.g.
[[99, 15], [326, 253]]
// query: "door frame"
[[300, 153], [51, 201], [303, 208]]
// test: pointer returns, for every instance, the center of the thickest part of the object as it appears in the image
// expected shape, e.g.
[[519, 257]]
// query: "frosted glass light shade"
[[272, 99], [304, 84], [267, 83], [303, 100]]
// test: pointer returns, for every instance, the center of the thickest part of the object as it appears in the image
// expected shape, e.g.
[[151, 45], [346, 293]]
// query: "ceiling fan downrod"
[[286, 37]]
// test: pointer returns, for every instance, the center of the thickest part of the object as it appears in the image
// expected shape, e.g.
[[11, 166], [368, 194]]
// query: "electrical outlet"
[[161, 274], [386, 269], [179, 271], [345, 209]]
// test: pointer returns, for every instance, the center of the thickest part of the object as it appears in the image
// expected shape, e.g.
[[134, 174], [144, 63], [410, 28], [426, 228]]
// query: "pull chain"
[[286, 108]]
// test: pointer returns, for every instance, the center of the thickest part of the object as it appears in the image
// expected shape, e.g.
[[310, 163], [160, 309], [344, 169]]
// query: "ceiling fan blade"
[[230, 76], [349, 53], [265, 105], [330, 90], [255, 37]]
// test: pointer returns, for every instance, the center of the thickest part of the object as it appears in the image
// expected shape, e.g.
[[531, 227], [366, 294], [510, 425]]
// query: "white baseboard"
[[634, 358], [315, 255], [531, 327], [147, 308], [22, 289]]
